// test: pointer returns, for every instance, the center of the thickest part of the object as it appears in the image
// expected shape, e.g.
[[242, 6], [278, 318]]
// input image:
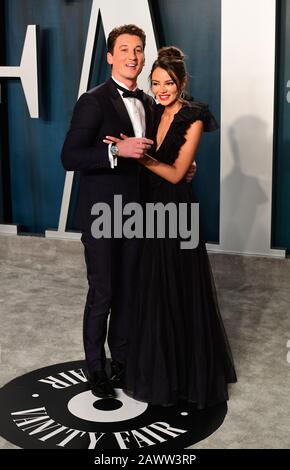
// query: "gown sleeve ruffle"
[[194, 111]]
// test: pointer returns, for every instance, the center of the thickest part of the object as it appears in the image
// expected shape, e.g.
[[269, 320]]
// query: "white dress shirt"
[[136, 113]]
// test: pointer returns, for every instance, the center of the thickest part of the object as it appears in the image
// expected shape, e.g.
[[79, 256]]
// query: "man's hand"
[[191, 172], [130, 147]]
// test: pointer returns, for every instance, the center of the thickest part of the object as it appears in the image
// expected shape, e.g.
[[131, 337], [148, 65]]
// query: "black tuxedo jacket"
[[97, 113]]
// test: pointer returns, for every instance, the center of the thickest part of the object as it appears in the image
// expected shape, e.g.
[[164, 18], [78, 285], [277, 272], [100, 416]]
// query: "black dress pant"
[[112, 267]]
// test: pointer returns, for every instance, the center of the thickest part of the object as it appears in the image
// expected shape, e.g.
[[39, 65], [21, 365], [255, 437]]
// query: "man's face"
[[127, 59]]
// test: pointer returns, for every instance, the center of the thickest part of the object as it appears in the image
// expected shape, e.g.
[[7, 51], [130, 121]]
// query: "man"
[[110, 109]]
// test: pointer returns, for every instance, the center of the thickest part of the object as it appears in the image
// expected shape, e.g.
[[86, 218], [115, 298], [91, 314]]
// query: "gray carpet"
[[42, 294]]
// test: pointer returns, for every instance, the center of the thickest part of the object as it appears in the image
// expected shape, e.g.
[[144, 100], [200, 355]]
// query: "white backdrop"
[[247, 121]]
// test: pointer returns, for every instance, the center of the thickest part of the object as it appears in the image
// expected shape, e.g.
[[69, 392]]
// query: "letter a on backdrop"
[[113, 13]]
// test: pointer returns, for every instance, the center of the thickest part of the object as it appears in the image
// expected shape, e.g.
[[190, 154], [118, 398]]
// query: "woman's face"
[[163, 87]]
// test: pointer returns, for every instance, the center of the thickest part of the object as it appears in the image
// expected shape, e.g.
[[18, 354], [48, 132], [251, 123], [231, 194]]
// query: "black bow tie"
[[138, 94]]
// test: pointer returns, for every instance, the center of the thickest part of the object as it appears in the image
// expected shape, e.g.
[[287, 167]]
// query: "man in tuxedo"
[[114, 107]]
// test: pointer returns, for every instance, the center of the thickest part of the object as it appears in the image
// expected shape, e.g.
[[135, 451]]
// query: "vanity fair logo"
[[54, 408]]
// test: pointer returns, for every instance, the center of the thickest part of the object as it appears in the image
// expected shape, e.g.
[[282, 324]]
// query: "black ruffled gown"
[[178, 346]]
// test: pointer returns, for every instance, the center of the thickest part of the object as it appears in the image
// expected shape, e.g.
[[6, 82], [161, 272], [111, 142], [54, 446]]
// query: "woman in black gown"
[[178, 345]]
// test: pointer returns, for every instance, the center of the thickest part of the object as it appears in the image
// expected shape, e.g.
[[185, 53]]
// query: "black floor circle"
[[53, 408]]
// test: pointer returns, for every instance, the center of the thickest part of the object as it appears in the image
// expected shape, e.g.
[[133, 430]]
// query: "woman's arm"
[[176, 172]]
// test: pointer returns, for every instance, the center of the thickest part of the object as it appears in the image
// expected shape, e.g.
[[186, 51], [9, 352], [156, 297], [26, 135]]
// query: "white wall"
[[247, 103]]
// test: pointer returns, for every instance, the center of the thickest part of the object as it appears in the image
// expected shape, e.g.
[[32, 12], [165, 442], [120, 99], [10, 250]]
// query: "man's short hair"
[[125, 29]]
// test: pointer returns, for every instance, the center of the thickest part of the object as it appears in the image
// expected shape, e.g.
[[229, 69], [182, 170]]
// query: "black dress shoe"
[[100, 384], [117, 374]]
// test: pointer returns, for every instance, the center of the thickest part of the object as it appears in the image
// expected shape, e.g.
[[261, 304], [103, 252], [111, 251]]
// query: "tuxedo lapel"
[[148, 107], [122, 114], [121, 111]]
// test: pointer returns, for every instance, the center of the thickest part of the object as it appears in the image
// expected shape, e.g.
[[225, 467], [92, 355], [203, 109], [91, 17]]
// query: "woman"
[[178, 349]]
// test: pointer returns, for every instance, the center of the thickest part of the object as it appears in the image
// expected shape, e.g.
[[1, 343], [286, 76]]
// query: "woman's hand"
[[191, 172]]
